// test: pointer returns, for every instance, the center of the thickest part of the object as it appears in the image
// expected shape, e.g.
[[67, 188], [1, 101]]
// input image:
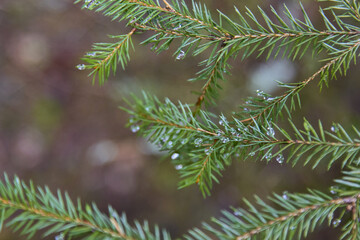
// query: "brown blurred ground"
[[58, 129]]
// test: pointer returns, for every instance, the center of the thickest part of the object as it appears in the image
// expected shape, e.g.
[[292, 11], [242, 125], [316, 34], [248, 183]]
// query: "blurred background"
[[58, 129]]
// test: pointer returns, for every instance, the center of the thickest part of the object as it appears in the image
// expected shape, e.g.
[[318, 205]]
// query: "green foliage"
[[202, 144]]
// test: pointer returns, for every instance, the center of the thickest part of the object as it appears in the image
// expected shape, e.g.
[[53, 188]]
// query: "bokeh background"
[[58, 129]]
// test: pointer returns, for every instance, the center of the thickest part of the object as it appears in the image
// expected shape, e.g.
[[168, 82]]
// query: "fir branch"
[[206, 147], [30, 210], [271, 107], [105, 57]]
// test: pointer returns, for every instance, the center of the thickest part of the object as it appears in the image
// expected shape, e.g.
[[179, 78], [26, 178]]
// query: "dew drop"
[[170, 144], [252, 154], [333, 129], [221, 123], [285, 195], [184, 141], [219, 133], [248, 102], [292, 228], [91, 54], [147, 109], [333, 189], [225, 140], [181, 55], [198, 142], [237, 213], [175, 156], [135, 128], [208, 150], [270, 132], [268, 156], [59, 237], [178, 27], [178, 167], [81, 66], [280, 158], [246, 110], [336, 222]]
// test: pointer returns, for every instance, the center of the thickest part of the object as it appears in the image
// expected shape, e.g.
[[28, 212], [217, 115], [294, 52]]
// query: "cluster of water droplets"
[[90, 4], [280, 158], [268, 156], [81, 67], [134, 126], [264, 95], [198, 142], [209, 150], [91, 54], [181, 55], [336, 222]]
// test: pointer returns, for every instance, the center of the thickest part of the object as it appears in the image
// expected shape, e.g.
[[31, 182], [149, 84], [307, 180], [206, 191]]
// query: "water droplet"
[[59, 237], [178, 167], [252, 154], [178, 27], [270, 99], [270, 132], [219, 133], [184, 141], [91, 4], [336, 222], [280, 158], [333, 129], [248, 102], [170, 144], [175, 156], [198, 142], [164, 139], [333, 189], [181, 55], [292, 228], [81, 66], [268, 156], [246, 110], [147, 109], [91, 54], [237, 213], [221, 123], [260, 93], [225, 140], [135, 128], [285, 195], [208, 150]]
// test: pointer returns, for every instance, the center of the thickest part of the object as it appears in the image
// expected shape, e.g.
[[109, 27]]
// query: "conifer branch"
[[206, 147], [349, 201], [30, 210], [326, 72]]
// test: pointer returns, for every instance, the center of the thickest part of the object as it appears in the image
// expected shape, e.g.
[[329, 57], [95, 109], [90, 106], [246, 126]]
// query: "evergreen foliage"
[[202, 144]]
